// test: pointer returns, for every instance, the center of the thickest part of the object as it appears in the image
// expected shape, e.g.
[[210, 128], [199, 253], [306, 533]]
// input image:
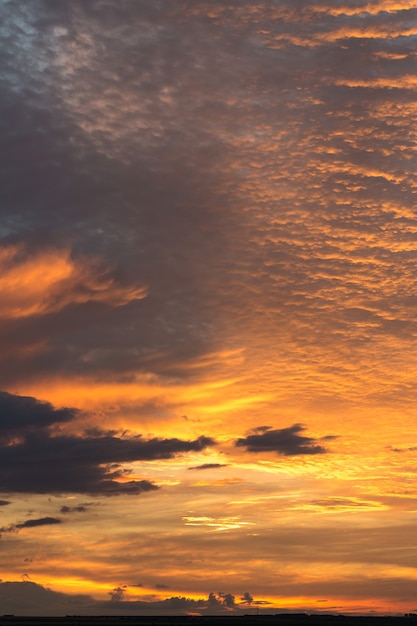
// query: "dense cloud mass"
[[207, 466], [19, 414], [40, 462]]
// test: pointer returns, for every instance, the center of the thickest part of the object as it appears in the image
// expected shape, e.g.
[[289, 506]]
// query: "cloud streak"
[[31, 523]]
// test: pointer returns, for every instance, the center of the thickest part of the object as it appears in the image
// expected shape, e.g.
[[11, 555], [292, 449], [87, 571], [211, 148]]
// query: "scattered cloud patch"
[[285, 441], [73, 509], [410, 449]]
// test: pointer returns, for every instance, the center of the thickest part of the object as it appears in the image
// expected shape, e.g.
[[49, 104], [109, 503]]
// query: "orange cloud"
[[48, 280]]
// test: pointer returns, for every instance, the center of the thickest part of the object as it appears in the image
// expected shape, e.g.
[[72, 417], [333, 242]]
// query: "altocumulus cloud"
[[36, 461], [285, 441]]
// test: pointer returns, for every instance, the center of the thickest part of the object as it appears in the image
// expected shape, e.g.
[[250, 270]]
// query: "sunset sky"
[[208, 305]]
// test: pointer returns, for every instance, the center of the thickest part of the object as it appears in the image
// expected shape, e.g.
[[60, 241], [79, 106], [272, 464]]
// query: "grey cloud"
[[117, 594], [19, 413], [46, 464], [39, 462], [167, 207], [73, 509], [4, 502], [29, 598], [206, 466], [285, 441], [32, 523], [42, 521]]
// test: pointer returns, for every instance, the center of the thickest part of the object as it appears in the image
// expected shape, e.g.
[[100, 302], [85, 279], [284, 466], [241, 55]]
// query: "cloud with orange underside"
[[47, 280]]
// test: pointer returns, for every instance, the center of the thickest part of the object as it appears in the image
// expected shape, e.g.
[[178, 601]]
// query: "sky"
[[208, 270]]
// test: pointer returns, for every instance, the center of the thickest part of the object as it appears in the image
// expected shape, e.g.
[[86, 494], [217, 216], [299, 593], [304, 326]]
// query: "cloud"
[[32, 523], [45, 281], [73, 509], [43, 521], [21, 413], [117, 594], [29, 598], [40, 462], [206, 466], [4, 502], [405, 449], [285, 441]]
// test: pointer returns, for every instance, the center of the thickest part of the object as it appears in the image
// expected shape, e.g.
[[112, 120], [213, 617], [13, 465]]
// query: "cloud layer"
[[208, 224]]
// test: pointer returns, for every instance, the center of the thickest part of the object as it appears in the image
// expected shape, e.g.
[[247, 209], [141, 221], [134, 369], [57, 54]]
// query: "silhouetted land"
[[171, 620]]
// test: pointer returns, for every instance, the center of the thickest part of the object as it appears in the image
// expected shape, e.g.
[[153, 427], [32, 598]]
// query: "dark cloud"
[[39, 462], [247, 598], [73, 509], [32, 523], [286, 441], [136, 184], [29, 598], [4, 502], [73, 464], [227, 599], [117, 594], [206, 466], [19, 413]]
